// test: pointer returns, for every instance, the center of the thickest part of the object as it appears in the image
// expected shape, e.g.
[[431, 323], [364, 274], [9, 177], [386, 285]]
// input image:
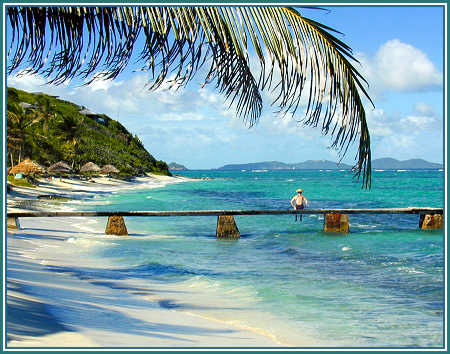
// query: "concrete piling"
[[226, 227], [116, 226], [12, 222], [431, 221], [336, 222]]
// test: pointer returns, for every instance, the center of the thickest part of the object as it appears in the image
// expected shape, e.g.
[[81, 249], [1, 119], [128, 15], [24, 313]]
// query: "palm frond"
[[298, 58]]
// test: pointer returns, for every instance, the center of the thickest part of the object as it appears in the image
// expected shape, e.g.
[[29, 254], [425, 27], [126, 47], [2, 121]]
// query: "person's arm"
[[305, 201], [292, 202]]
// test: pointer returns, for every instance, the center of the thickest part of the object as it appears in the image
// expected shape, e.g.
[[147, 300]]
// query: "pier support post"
[[116, 226], [431, 221], [226, 227], [12, 223], [336, 222]]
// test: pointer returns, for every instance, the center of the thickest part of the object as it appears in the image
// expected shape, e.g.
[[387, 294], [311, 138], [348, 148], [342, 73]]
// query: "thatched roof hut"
[[61, 167], [89, 167], [109, 169], [26, 167]]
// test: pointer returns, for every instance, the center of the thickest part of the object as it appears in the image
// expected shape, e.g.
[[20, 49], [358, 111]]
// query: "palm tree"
[[47, 114], [18, 120], [297, 56]]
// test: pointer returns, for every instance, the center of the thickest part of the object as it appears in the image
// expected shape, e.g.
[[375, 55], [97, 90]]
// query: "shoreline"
[[56, 292], [78, 189]]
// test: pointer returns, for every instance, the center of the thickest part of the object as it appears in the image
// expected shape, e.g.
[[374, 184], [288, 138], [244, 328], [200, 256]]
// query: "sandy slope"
[[49, 304]]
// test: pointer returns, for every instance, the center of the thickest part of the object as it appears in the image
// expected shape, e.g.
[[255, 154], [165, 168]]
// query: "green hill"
[[388, 163], [48, 130], [176, 166]]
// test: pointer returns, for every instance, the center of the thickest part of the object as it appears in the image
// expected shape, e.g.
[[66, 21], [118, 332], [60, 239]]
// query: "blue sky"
[[400, 49]]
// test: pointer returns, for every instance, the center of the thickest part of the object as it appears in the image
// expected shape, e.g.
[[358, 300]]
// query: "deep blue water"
[[380, 285]]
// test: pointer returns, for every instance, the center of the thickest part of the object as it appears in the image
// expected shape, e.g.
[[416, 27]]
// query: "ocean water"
[[381, 285]]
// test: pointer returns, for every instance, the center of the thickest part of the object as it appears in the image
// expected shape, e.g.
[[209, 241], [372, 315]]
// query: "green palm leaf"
[[298, 57]]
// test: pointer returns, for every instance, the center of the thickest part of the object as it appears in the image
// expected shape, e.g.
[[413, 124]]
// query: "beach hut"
[[60, 167], [89, 167], [26, 167], [109, 169]]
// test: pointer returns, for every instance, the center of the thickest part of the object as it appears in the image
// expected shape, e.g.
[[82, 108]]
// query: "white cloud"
[[31, 83], [402, 142], [209, 97], [419, 122], [378, 122], [423, 108], [175, 116], [400, 67], [104, 85]]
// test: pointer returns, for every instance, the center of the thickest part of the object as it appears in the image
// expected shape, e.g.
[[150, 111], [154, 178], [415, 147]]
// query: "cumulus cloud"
[[379, 123], [423, 108], [400, 67], [187, 116], [31, 83], [422, 117], [419, 122]]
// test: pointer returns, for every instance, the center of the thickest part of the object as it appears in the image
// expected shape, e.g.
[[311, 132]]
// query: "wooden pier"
[[335, 220]]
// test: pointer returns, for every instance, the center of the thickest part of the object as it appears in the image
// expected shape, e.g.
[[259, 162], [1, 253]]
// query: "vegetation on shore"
[[20, 182], [48, 130]]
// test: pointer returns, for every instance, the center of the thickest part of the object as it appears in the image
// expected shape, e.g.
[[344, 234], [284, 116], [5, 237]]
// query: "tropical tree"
[[297, 57], [46, 113], [18, 122], [15, 137]]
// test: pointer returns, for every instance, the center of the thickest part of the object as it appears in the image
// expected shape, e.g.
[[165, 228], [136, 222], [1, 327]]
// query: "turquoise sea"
[[381, 285]]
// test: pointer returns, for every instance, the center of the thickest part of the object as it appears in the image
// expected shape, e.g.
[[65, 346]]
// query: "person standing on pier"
[[298, 202]]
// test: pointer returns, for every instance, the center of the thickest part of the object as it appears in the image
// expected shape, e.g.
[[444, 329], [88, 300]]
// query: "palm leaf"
[[298, 57]]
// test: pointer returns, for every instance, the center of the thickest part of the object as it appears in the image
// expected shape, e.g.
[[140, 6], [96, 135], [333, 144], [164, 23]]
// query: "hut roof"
[[109, 169], [87, 112], [60, 166], [26, 166], [90, 167], [25, 105]]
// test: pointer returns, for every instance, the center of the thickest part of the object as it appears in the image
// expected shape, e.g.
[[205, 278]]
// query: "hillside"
[[267, 165], [48, 130], [384, 163], [276, 165], [321, 165], [177, 167], [388, 163]]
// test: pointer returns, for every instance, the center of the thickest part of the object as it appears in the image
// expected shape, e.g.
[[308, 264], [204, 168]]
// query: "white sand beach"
[[50, 303]]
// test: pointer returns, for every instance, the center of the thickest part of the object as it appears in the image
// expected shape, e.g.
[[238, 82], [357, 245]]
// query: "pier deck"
[[335, 220], [410, 210]]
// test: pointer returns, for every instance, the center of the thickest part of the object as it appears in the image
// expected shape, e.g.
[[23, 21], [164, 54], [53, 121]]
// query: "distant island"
[[388, 163], [177, 167], [382, 164]]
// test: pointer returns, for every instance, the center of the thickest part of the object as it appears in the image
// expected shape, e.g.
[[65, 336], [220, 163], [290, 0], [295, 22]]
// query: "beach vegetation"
[[300, 60], [20, 182], [50, 130], [56, 198]]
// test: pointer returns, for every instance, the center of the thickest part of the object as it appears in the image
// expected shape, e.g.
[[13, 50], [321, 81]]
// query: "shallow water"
[[379, 286]]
